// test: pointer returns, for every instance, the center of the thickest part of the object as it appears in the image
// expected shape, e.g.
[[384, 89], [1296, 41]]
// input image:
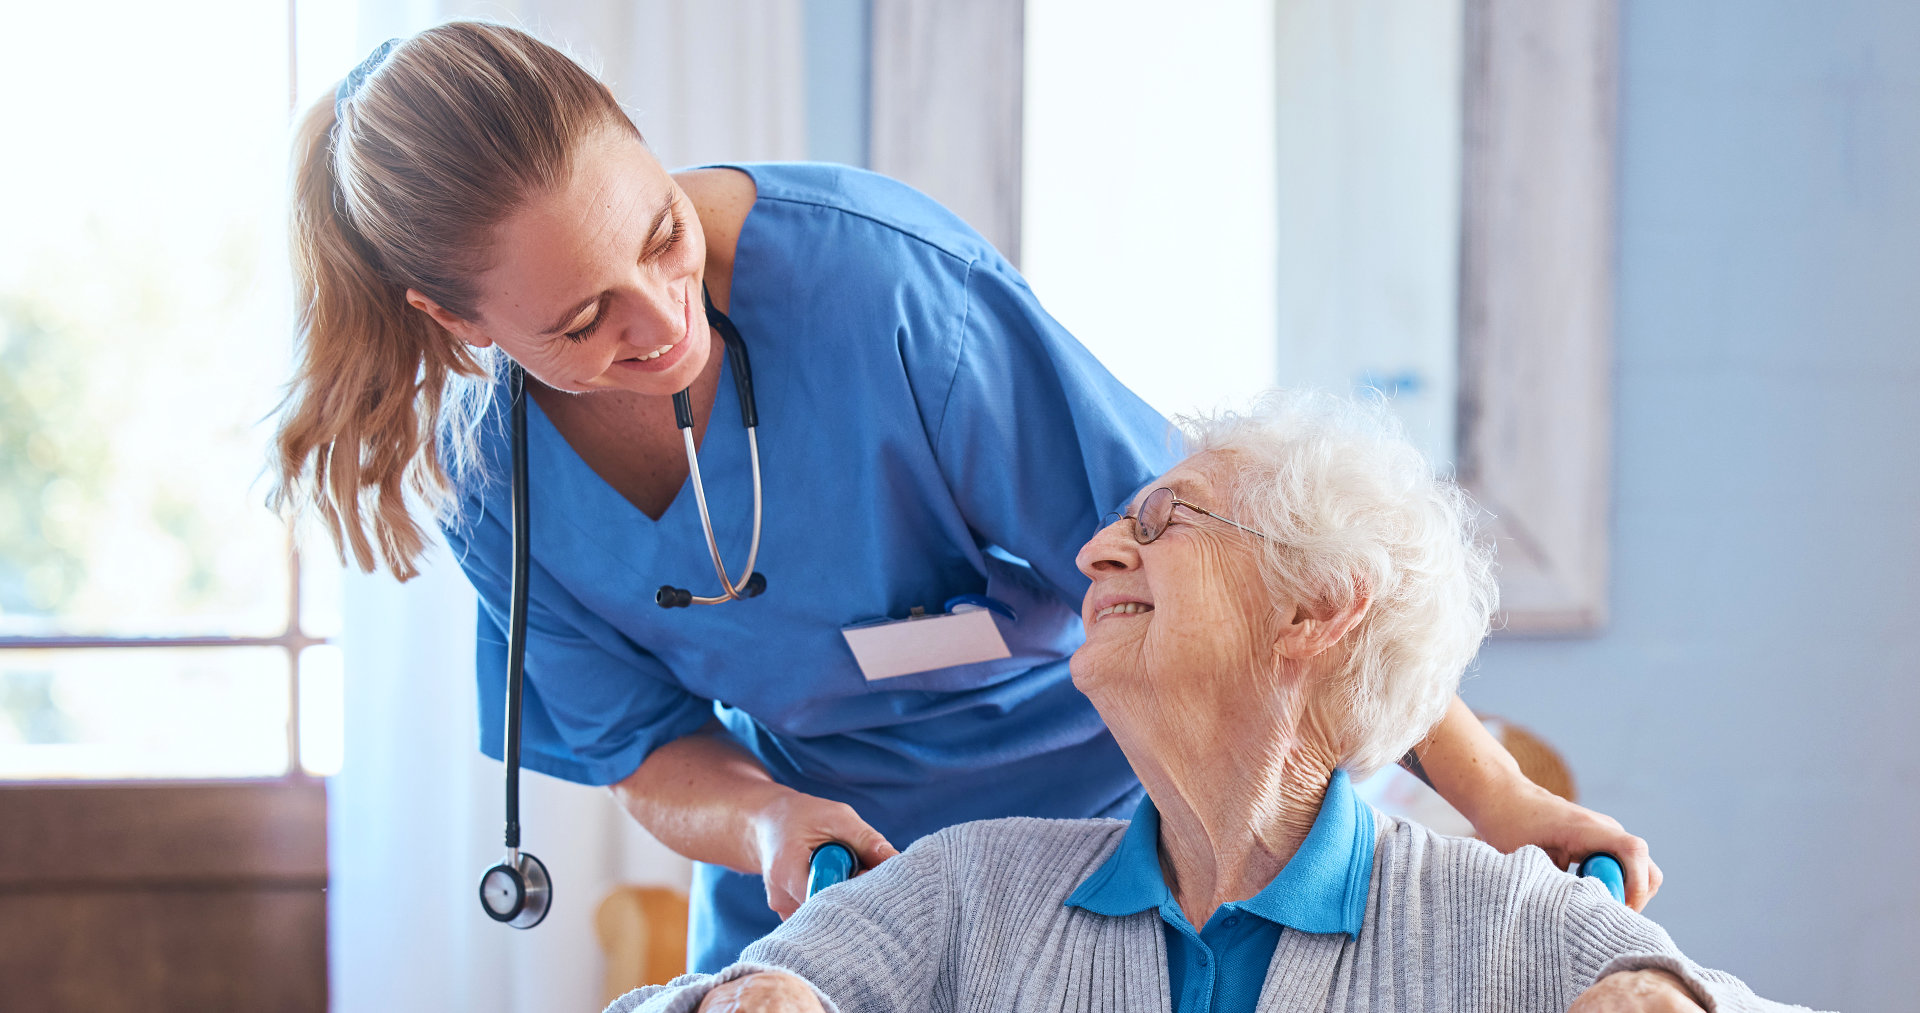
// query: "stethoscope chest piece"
[[517, 891]]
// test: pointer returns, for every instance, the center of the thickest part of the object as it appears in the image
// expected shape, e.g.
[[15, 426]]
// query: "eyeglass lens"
[[1155, 512]]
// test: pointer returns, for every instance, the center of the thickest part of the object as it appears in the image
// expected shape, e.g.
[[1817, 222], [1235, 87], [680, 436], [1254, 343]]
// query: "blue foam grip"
[[1606, 869], [832, 863]]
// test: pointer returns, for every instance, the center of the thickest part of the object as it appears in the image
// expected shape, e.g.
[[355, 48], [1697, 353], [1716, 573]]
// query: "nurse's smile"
[[659, 360]]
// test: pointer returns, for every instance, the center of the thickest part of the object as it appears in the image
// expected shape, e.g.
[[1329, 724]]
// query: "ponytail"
[[357, 430], [395, 187]]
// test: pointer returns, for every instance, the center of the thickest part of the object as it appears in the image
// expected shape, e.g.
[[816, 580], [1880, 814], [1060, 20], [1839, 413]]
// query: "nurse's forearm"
[[700, 795], [1465, 763], [1471, 770]]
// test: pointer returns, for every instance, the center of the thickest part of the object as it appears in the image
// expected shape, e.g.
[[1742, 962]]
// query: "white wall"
[[1226, 196], [1368, 137], [1750, 708], [416, 814], [1147, 218]]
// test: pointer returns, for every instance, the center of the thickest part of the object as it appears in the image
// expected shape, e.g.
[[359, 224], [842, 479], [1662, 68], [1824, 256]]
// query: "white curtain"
[[416, 811]]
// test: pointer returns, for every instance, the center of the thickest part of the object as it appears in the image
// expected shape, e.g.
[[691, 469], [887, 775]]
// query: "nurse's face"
[[596, 284]]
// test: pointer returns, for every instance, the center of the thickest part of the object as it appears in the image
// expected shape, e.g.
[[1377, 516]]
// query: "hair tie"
[[358, 76]]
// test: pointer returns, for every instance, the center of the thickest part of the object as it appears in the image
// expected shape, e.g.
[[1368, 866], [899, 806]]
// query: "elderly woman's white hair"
[[1354, 509]]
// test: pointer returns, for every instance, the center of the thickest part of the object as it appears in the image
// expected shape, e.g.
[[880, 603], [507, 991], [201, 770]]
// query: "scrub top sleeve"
[[595, 705], [1036, 439]]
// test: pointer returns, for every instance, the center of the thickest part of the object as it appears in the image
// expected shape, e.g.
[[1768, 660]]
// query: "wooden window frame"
[[293, 639]]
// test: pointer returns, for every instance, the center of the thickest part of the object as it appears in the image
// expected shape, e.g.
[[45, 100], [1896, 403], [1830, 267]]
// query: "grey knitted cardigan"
[[971, 920]]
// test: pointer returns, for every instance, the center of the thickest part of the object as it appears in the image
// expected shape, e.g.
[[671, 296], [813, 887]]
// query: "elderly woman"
[[1286, 611]]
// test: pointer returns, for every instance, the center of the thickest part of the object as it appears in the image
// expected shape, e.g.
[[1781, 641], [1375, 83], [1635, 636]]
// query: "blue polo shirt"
[[1221, 967]]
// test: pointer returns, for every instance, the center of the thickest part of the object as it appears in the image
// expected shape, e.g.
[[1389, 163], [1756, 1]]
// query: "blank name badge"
[[892, 647]]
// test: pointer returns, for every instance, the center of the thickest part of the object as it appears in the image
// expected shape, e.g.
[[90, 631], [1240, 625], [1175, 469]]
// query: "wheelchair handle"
[[832, 863], [1606, 869]]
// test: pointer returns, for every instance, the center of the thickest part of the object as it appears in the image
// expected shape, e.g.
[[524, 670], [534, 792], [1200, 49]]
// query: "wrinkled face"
[[1186, 614], [596, 285]]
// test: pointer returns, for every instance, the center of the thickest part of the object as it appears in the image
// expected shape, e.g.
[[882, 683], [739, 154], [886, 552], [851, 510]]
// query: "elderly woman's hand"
[[1529, 814], [1648, 991], [764, 992]]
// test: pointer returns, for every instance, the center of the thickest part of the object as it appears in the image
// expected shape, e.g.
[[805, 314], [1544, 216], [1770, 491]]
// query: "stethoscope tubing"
[[517, 891], [517, 609], [531, 885]]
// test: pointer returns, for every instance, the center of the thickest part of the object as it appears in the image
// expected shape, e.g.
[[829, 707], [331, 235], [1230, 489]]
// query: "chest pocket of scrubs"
[[1046, 630]]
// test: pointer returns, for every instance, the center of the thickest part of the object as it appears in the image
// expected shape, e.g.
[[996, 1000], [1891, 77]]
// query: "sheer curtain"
[[416, 811]]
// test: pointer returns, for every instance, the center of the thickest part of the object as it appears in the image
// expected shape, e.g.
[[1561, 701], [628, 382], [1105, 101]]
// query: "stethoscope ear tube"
[[742, 369], [517, 891], [751, 583], [517, 610]]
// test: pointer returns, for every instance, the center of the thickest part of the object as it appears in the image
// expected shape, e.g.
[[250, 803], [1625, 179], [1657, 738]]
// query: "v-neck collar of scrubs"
[[1221, 967], [554, 461]]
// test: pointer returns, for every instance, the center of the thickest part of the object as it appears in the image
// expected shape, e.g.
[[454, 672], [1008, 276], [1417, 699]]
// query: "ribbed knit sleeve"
[[879, 944], [1454, 924], [1604, 936], [871, 946]]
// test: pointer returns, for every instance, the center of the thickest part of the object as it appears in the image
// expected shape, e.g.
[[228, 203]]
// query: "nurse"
[[926, 431]]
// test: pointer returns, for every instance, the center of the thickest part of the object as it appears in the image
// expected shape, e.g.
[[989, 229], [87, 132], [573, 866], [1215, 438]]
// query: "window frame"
[[293, 639]]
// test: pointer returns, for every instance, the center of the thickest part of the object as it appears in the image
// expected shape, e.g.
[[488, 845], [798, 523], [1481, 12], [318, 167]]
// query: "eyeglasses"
[[1156, 512]]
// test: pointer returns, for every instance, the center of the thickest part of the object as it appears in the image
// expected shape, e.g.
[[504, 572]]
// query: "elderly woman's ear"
[[1316, 627]]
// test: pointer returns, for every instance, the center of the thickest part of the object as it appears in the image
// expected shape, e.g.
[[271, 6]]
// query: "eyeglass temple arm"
[[1177, 501]]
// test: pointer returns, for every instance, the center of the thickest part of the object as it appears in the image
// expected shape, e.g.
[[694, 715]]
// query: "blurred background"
[[1646, 274]]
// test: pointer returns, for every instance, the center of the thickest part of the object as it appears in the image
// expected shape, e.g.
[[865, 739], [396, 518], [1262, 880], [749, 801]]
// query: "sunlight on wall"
[[1369, 138], [1228, 197], [1148, 211]]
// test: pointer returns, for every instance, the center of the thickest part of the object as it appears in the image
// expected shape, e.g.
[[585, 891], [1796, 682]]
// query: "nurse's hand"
[[787, 829], [763, 992], [1525, 813]]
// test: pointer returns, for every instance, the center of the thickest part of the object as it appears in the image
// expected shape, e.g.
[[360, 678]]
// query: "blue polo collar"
[[1322, 888]]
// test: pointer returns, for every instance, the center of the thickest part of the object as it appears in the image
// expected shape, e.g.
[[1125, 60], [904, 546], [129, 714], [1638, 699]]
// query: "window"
[[155, 621]]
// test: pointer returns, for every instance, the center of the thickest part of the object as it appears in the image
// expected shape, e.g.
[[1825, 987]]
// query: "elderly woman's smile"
[[1174, 583], [1122, 608]]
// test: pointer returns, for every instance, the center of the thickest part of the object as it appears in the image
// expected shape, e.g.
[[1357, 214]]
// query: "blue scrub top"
[[926, 431]]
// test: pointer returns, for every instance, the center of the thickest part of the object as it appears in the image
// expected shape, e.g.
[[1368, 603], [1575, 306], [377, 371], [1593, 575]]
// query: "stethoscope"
[[518, 891]]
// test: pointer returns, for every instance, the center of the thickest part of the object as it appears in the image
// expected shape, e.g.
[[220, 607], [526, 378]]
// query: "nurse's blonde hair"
[[400, 187]]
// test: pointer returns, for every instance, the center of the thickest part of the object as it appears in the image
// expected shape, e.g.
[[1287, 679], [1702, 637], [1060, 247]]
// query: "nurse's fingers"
[[791, 830], [1644, 879], [871, 849]]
